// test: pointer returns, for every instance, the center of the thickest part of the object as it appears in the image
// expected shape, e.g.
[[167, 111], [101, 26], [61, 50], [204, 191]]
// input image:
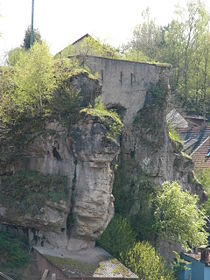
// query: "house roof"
[[176, 120], [196, 137], [201, 155], [80, 39]]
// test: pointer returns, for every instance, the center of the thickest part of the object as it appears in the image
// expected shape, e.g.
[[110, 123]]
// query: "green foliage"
[[132, 191], [31, 189], [134, 55], [13, 252], [177, 217], [204, 178], [26, 40], [184, 43], [174, 136], [34, 81], [179, 265], [143, 260], [90, 46], [37, 86], [147, 36], [14, 55], [123, 177], [118, 237], [109, 118]]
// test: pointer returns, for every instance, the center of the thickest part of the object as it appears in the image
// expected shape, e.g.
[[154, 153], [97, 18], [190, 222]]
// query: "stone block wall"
[[125, 83]]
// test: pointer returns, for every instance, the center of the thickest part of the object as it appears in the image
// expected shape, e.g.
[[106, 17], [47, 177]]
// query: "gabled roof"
[[83, 37]]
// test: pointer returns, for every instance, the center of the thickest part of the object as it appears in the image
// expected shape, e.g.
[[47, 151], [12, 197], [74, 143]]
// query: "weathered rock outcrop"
[[58, 183], [60, 187], [139, 91]]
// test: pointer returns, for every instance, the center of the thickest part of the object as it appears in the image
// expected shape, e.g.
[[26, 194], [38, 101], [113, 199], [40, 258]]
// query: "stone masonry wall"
[[125, 83]]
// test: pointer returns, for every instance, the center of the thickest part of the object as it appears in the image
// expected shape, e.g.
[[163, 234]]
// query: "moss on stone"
[[174, 137], [186, 156], [134, 189], [109, 118], [149, 120], [74, 266]]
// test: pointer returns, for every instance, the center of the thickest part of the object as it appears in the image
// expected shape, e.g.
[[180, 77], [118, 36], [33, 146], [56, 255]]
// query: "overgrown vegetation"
[[118, 238], [177, 217], [146, 263], [28, 88], [174, 136], [31, 190], [139, 197], [204, 178], [109, 118], [184, 43], [13, 251], [152, 132], [90, 46], [167, 213]]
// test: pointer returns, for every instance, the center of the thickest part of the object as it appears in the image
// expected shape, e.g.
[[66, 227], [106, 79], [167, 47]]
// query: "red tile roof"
[[199, 156]]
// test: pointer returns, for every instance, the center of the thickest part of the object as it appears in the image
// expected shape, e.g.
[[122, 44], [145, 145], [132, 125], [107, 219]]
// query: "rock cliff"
[[57, 183]]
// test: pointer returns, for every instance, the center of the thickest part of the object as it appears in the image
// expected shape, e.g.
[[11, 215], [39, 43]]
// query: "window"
[[121, 77]]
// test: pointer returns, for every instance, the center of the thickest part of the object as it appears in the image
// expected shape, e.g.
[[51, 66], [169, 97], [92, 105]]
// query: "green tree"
[[13, 56], [147, 37], [26, 40], [177, 217], [187, 49], [31, 83], [184, 43], [118, 237], [143, 260]]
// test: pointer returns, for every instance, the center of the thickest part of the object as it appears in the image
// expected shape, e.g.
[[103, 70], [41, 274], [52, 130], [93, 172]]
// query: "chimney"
[[205, 255]]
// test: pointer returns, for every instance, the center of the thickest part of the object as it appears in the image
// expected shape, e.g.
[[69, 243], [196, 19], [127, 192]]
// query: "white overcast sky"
[[61, 22]]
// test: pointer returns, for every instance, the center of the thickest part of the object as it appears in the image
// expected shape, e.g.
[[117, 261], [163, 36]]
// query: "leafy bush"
[[177, 216], [143, 260], [13, 252], [118, 237]]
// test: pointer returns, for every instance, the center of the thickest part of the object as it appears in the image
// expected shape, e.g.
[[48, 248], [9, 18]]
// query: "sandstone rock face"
[[93, 206], [58, 185], [140, 92], [61, 189]]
